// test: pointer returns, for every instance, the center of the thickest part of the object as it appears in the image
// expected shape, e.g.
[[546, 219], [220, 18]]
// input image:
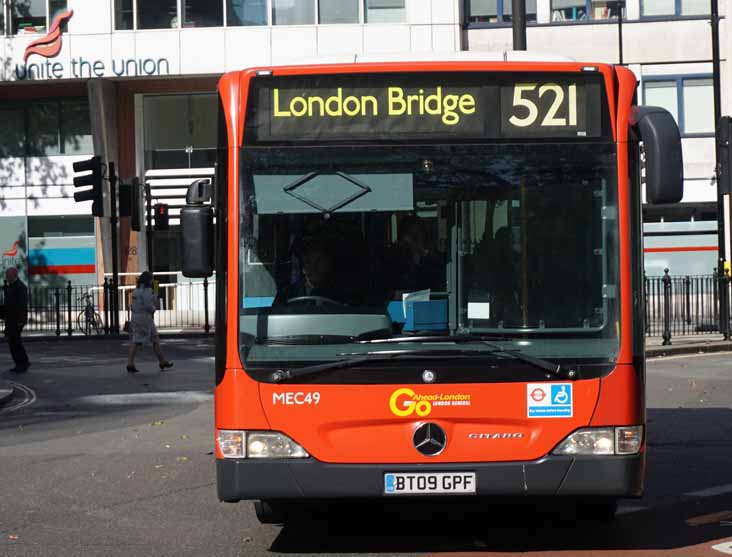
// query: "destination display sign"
[[428, 107]]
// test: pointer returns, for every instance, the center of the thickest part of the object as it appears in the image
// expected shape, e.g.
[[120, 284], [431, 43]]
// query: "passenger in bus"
[[317, 276], [503, 277], [415, 263]]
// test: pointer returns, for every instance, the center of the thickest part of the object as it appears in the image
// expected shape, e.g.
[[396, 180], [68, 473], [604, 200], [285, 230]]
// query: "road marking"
[[29, 397], [176, 397], [710, 491], [660, 359], [725, 548]]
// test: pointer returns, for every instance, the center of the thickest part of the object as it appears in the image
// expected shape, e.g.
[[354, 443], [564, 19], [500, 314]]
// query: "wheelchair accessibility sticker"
[[549, 400]]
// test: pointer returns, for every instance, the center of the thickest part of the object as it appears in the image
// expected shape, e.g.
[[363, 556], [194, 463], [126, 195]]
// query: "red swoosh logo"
[[50, 45], [12, 252]]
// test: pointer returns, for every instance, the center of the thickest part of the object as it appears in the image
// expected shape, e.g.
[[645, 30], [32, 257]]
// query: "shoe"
[[19, 370], [132, 369], [165, 365]]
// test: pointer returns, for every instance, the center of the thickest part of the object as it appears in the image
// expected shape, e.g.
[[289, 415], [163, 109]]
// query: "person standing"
[[142, 325], [16, 316]]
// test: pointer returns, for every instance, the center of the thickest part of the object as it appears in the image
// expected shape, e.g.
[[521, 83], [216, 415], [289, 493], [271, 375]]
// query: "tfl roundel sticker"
[[549, 400]]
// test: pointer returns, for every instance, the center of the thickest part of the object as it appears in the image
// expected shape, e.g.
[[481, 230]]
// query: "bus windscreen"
[[427, 107]]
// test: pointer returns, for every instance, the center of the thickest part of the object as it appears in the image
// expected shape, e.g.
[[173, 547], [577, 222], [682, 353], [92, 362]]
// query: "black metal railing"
[[674, 306], [683, 305], [76, 309]]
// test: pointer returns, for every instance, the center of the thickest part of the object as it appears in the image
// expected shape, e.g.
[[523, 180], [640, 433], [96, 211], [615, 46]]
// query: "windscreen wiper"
[[282, 375], [550, 367]]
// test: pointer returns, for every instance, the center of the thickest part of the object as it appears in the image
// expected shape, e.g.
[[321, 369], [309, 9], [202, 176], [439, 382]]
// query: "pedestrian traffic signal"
[[92, 176], [161, 216]]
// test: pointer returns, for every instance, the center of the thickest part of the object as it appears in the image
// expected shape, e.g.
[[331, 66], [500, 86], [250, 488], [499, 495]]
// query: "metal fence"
[[682, 305], [87, 309], [674, 305]]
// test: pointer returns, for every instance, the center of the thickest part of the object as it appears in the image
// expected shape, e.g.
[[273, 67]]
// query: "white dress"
[[142, 326]]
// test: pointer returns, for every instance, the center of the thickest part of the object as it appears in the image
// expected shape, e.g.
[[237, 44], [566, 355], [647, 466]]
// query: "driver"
[[318, 276]]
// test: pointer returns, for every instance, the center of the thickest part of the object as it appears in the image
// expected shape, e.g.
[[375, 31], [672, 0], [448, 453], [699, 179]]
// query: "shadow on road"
[[498, 526], [668, 518], [87, 383]]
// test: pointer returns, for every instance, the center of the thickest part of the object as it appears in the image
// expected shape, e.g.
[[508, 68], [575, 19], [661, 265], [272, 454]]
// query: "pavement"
[[684, 344]]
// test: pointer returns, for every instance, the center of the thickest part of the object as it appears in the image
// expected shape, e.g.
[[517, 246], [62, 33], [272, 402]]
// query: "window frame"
[[26, 106], [588, 10], [677, 15], [7, 25], [361, 6], [269, 10], [679, 79], [499, 13]]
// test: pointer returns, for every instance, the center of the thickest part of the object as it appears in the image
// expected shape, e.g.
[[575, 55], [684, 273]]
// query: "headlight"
[[258, 444], [602, 441], [273, 445]]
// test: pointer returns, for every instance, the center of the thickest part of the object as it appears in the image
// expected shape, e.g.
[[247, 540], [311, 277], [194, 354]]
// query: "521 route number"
[[525, 96]]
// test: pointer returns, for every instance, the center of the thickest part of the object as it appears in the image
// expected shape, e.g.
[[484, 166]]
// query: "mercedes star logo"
[[429, 439]]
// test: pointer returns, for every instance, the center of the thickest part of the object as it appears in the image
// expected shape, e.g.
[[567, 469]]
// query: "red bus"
[[429, 280]]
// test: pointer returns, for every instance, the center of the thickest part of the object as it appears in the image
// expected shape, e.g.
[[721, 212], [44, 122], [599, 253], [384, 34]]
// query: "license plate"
[[411, 483]]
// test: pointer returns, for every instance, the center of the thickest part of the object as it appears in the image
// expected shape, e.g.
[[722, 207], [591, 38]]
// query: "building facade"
[[134, 81]]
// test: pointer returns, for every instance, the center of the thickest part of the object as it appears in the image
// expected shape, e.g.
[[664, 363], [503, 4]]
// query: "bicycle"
[[89, 321]]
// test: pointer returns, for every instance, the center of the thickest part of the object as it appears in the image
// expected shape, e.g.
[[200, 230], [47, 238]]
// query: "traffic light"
[[135, 223], [725, 154], [161, 216], [125, 200], [92, 169]]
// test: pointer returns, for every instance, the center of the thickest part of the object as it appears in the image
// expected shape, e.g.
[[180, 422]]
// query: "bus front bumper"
[[617, 476]]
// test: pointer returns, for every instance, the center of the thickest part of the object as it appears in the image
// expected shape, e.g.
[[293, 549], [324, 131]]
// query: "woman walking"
[[142, 326]]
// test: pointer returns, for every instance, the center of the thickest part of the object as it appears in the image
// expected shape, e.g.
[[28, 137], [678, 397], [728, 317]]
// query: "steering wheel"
[[317, 300]]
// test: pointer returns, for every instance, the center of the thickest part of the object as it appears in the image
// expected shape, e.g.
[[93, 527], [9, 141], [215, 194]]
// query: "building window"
[[59, 128], [689, 99], [76, 135], [157, 14], [386, 11], [293, 12], [338, 11], [12, 138], [180, 131], [583, 10], [246, 12], [496, 11], [43, 129], [202, 13], [33, 16], [697, 96], [124, 15], [60, 226], [661, 8]]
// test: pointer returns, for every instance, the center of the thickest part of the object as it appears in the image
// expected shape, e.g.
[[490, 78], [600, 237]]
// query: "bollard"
[[724, 304], [57, 294], [105, 290], [666, 308], [716, 279], [687, 299], [645, 304], [207, 326], [70, 322]]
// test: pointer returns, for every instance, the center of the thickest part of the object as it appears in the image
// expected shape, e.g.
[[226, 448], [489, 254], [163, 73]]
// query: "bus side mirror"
[[197, 232], [662, 145]]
